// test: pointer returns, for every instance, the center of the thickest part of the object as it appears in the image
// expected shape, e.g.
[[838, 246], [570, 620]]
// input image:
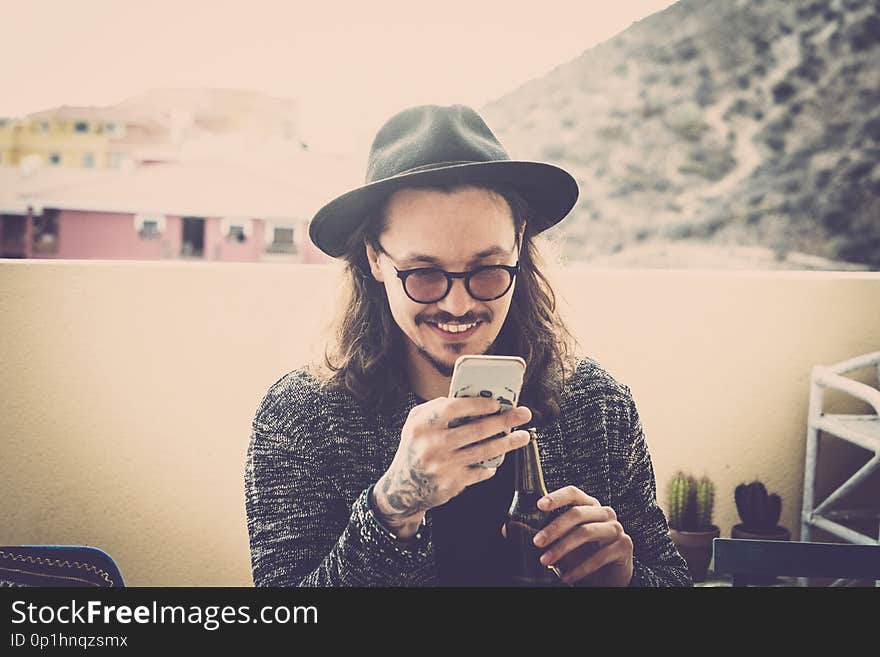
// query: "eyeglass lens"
[[431, 284]]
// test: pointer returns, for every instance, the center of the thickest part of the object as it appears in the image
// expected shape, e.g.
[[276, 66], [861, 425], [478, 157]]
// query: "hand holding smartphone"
[[496, 377], [427, 472]]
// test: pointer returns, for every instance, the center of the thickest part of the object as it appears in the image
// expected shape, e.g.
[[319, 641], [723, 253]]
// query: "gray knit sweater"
[[314, 453]]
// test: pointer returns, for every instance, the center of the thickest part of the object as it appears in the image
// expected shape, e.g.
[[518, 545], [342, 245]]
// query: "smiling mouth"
[[454, 330]]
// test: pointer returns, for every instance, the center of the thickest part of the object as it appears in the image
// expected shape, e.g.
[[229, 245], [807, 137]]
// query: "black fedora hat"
[[441, 144]]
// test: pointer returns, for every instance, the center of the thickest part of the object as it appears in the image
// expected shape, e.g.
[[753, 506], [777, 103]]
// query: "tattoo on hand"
[[409, 491]]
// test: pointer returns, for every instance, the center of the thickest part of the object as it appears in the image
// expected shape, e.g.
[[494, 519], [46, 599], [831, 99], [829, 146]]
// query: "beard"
[[438, 365], [445, 369]]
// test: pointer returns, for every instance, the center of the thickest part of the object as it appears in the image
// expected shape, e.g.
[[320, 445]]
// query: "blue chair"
[[57, 565]]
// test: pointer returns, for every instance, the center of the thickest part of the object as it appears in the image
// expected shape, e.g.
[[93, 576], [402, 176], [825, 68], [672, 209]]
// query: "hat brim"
[[550, 191]]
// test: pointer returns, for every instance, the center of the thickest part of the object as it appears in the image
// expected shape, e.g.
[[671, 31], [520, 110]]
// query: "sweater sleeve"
[[656, 562], [301, 532]]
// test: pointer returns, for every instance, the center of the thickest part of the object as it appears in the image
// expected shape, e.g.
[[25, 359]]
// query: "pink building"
[[206, 211]]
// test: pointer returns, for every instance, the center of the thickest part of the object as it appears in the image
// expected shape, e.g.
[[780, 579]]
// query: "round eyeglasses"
[[431, 284]]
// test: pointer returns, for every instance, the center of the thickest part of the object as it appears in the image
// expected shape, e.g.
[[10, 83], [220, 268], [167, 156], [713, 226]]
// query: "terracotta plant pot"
[[696, 548], [778, 533]]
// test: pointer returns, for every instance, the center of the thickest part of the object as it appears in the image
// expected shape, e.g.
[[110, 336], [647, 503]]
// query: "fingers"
[[480, 474], [442, 412], [598, 533], [566, 495], [575, 516], [470, 419], [492, 448], [488, 427], [619, 550], [458, 410]]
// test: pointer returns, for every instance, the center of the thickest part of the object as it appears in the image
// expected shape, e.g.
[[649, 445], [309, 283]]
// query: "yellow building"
[[77, 137], [9, 129], [161, 125]]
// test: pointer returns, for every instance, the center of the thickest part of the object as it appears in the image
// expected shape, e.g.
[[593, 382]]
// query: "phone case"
[[499, 377]]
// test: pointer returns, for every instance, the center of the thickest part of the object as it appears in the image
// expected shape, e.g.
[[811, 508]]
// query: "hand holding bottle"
[[586, 541]]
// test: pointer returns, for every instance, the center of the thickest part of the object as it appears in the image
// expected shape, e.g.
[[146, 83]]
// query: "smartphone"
[[498, 377]]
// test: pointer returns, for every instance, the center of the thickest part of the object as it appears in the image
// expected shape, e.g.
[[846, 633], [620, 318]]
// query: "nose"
[[458, 302]]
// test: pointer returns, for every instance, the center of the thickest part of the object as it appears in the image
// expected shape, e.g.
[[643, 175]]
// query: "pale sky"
[[349, 65]]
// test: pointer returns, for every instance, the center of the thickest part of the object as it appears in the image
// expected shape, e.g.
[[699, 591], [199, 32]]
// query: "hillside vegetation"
[[733, 123]]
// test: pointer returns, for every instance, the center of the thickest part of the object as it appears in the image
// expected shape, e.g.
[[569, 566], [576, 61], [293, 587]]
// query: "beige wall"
[[129, 388]]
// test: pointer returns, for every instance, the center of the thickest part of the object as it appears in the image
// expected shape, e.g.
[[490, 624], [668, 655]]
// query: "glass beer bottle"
[[525, 519]]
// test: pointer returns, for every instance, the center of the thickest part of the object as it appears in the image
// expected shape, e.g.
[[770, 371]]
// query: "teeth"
[[456, 328]]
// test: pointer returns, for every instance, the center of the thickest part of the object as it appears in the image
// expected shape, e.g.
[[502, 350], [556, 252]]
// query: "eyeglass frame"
[[403, 274]]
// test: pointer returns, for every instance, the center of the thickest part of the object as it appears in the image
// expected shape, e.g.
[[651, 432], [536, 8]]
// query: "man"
[[354, 477]]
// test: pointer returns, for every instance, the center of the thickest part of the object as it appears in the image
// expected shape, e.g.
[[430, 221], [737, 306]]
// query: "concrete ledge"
[[130, 386]]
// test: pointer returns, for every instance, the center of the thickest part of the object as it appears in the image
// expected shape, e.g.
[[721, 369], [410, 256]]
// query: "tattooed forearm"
[[408, 492]]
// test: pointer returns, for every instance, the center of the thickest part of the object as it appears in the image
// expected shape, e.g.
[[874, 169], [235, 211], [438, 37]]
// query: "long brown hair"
[[366, 357]]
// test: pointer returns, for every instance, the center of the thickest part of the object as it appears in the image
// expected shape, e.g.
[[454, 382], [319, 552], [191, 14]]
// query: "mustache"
[[448, 319]]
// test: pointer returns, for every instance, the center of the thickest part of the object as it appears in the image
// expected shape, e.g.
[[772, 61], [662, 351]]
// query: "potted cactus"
[[690, 504], [759, 513]]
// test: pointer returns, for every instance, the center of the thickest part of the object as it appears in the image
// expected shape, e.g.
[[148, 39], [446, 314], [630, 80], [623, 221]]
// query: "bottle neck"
[[527, 468]]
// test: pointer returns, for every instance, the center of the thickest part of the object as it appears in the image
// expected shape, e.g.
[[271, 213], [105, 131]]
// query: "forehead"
[[447, 227]]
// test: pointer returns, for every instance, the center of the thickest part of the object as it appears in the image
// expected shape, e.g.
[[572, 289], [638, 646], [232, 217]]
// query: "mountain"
[[734, 123]]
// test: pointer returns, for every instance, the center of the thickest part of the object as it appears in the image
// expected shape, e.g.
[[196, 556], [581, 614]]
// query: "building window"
[[116, 160], [113, 129], [43, 127], [149, 226], [150, 230], [89, 160], [280, 238], [81, 126], [55, 159], [235, 229]]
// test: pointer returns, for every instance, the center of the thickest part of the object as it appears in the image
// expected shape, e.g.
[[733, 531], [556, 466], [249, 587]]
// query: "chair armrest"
[[825, 377], [865, 360]]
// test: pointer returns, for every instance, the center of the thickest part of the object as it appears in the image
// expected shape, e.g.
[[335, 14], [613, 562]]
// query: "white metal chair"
[[860, 429]]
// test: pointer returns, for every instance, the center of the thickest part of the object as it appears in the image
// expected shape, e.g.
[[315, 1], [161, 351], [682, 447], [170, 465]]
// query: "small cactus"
[[677, 497], [705, 502], [759, 511], [690, 503]]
